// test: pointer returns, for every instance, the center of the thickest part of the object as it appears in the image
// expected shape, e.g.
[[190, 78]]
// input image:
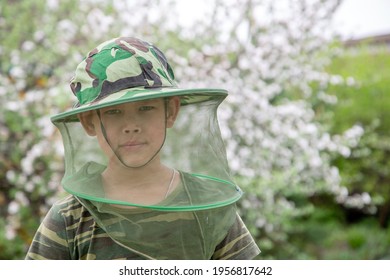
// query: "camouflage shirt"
[[70, 232]]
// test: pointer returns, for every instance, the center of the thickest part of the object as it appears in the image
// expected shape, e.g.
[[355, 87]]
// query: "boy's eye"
[[146, 108], [112, 112]]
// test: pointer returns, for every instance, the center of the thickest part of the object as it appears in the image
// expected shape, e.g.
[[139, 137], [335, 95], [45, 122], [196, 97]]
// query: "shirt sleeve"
[[237, 245], [50, 241]]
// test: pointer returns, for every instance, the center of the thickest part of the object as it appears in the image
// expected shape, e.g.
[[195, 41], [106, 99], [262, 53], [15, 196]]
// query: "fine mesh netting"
[[193, 216], [193, 145]]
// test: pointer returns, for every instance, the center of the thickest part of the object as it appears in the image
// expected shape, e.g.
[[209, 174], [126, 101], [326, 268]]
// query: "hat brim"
[[188, 96]]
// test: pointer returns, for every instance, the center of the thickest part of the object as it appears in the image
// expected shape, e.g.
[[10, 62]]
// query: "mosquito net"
[[193, 146], [147, 161]]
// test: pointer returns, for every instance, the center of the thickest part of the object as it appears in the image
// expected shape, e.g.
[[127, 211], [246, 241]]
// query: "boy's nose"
[[131, 123], [131, 129]]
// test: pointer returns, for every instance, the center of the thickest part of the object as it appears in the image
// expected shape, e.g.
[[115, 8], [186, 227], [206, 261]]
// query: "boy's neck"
[[144, 185], [118, 173]]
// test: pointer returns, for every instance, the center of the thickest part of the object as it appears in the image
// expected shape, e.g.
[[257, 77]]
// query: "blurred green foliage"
[[28, 160], [368, 99], [324, 228], [367, 103]]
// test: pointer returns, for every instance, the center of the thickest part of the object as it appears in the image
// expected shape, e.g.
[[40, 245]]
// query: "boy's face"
[[133, 132]]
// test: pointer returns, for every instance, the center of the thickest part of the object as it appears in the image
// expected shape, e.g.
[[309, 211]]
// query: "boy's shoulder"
[[68, 206], [66, 201]]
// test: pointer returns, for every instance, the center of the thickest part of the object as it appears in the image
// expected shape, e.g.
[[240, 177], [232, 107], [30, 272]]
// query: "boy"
[[121, 141]]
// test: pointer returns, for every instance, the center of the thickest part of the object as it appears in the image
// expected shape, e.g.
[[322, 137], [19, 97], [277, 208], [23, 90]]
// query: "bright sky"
[[360, 18], [353, 19]]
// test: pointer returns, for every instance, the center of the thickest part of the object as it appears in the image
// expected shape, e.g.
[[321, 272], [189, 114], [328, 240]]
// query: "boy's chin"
[[135, 163]]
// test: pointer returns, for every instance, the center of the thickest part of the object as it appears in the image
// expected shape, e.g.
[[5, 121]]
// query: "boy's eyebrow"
[[150, 101], [141, 102]]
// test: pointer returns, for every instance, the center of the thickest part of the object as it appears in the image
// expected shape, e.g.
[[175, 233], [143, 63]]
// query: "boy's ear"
[[87, 123], [173, 109]]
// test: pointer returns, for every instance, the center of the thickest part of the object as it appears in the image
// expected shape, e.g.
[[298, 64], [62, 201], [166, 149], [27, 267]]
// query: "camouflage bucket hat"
[[127, 69]]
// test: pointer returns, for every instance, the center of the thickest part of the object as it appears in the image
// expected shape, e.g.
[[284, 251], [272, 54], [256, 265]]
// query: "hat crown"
[[119, 64]]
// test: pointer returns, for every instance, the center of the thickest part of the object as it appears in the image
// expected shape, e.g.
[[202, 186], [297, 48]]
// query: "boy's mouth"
[[132, 144]]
